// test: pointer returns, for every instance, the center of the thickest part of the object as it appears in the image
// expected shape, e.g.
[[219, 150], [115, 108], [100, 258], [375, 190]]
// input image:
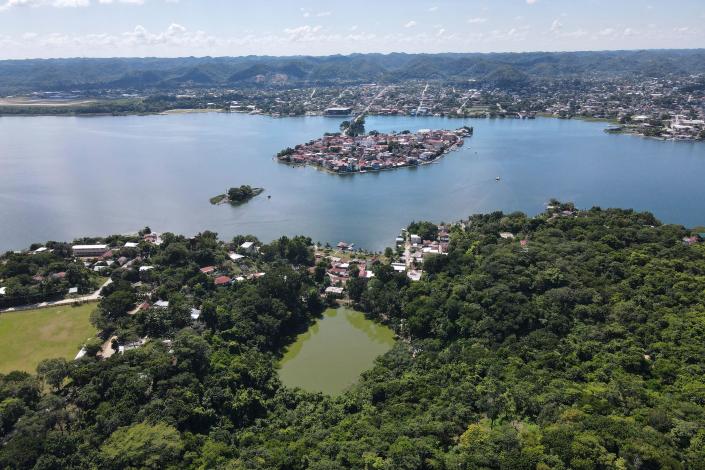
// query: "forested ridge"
[[576, 344], [501, 69]]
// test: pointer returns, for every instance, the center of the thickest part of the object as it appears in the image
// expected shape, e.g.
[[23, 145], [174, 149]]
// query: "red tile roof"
[[222, 280]]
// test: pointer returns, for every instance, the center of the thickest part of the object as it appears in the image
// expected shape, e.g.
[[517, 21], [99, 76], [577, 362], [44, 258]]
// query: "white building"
[[89, 251], [399, 267], [249, 247]]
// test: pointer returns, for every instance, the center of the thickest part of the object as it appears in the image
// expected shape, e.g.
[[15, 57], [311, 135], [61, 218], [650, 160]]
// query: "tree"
[[353, 128], [117, 304], [53, 371], [241, 194], [11, 409], [426, 230], [142, 446], [356, 287]]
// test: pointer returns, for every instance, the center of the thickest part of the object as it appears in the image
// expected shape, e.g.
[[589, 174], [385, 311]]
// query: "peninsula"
[[341, 153], [237, 196]]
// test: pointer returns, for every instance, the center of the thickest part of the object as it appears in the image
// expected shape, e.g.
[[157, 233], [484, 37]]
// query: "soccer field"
[[29, 336]]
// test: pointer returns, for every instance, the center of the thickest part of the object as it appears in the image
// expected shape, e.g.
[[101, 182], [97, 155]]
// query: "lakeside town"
[[341, 153], [670, 107]]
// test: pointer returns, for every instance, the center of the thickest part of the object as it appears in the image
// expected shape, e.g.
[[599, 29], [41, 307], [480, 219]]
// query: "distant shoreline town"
[[343, 154]]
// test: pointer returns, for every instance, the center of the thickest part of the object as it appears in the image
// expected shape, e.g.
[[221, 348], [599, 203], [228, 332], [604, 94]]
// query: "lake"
[[64, 177], [333, 353]]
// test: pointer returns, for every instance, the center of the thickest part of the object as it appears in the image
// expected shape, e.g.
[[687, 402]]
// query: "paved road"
[[94, 297], [423, 96]]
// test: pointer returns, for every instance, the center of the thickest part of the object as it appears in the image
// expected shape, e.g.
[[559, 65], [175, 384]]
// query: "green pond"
[[330, 356]]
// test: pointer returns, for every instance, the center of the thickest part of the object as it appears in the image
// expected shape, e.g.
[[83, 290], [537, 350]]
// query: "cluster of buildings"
[[683, 128], [340, 270], [669, 107], [374, 152], [222, 276], [694, 239], [102, 257], [416, 249]]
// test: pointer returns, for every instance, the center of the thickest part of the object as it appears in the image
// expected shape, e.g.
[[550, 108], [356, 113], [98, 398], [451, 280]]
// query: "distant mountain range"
[[499, 69]]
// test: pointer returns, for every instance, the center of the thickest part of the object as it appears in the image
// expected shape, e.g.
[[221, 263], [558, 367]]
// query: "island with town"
[[344, 153]]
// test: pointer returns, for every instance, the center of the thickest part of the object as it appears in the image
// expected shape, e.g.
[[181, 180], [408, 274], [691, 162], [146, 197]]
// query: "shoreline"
[[178, 111], [117, 114]]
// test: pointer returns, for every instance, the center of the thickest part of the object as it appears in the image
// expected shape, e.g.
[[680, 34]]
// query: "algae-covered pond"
[[333, 353]]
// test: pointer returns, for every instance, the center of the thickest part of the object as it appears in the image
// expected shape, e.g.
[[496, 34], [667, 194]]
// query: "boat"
[[498, 178]]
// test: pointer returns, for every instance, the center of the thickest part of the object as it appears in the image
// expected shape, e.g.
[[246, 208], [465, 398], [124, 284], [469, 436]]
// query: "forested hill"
[[578, 344], [498, 68]]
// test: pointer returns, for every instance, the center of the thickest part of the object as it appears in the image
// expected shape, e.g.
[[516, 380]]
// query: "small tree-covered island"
[[569, 340], [353, 151], [238, 195]]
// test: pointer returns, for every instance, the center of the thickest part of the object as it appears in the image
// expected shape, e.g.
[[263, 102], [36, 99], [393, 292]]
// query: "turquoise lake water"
[[63, 177]]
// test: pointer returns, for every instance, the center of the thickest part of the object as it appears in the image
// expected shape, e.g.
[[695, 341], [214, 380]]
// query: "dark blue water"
[[63, 177]]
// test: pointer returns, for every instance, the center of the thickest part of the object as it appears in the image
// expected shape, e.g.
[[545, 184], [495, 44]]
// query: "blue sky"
[[110, 28]]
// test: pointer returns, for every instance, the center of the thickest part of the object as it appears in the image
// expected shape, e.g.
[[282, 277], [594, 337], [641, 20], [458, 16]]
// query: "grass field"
[[29, 336]]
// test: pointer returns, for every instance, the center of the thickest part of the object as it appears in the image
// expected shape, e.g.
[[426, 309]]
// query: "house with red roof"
[[222, 280]]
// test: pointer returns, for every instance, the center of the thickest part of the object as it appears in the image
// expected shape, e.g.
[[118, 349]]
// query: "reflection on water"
[[330, 356]]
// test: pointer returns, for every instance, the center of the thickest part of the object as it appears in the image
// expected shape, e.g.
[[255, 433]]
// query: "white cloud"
[[312, 38], [133, 2], [531, 2], [306, 13], [630, 32], [63, 3], [303, 33], [37, 3], [477, 20], [433, 9], [410, 24]]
